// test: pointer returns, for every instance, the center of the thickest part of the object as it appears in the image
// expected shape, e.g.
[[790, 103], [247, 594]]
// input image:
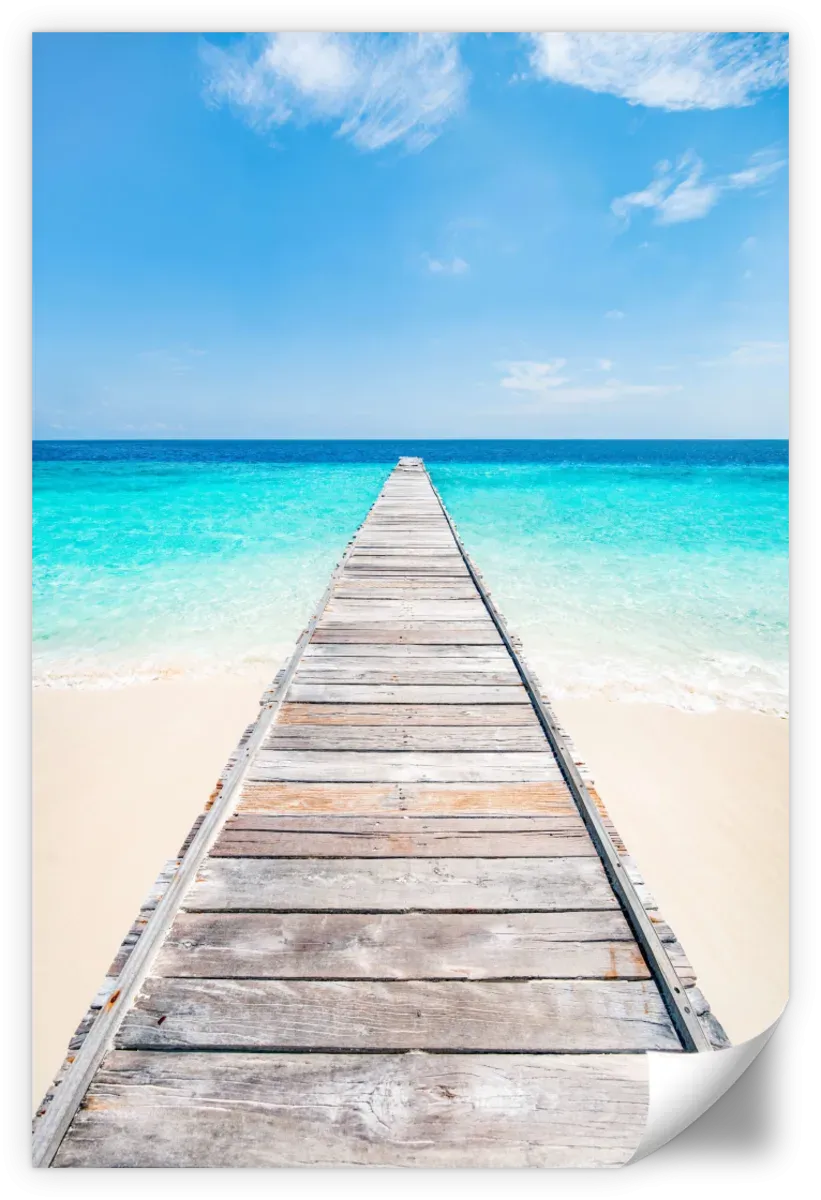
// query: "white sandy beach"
[[120, 775]]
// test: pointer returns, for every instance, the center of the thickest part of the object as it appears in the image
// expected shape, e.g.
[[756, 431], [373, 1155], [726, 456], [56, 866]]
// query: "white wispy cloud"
[[762, 166], [613, 389], [376, 88], [673, 71], [753, 354], [452, 266], [529, 376], [682, 193], [544, 379], [614, 314]]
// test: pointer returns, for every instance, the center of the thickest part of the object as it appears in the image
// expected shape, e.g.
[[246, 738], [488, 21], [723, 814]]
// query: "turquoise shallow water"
[[641, 571]]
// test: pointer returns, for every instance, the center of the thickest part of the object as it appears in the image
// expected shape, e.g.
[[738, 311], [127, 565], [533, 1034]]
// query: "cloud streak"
[[453, 266], [673, 71], [544, 381], [528, 376], [753, 354], [377, 89], [683, 193]]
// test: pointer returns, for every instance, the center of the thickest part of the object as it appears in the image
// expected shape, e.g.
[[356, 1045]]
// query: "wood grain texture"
[[412, 672], [417, 633], [316, 652], [374, 563], [405, 610], [330, 1110], [438, 715], [391, 885], [349, 668], [585, 945], [395, 542], [245, 843], [548, 798], [386, 548], [404, 823], [250, 1014], [396, 767], [426, 589], [487, 739], [394, 693]]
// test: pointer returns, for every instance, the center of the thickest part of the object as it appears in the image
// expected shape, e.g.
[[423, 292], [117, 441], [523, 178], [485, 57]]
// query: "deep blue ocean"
[[632, 569]]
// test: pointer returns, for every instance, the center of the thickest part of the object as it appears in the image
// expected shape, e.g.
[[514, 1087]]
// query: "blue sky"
[[361, 236]]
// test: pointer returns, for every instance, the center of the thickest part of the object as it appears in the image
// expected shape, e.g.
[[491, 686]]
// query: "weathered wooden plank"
[[390, 693], [401, 591], [594, 945], [502, 738], [397, 767], [380, 650], [390, 549], [377, 560], [250, 1014], [417, 558], [420, 633], [546, 798], [417, 662], [390, 885], [438, 715], [713, 1029], [675, 952], [410, 546], [470, 608], [408, 584], [407, 673], [405, 823], [245, 843], [399, 566], [146, 1109], [409, 610]]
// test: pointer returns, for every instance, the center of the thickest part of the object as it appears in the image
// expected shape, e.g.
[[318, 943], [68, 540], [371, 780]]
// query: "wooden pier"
[[404, 931]]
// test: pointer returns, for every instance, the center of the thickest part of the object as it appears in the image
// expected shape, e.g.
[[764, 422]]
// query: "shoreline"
[[700, 800], [679, 696]]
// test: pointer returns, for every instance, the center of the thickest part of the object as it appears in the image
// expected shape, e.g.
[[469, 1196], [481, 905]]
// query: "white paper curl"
[[683, 1086]]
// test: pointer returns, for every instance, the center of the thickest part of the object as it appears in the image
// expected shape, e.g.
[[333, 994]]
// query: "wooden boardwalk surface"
[[396, 936]]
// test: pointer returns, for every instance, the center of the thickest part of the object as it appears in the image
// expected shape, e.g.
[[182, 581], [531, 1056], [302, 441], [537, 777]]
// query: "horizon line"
[[416, 438]]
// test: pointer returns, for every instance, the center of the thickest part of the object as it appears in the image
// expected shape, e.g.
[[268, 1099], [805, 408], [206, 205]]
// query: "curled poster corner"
[[683, 1086]]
